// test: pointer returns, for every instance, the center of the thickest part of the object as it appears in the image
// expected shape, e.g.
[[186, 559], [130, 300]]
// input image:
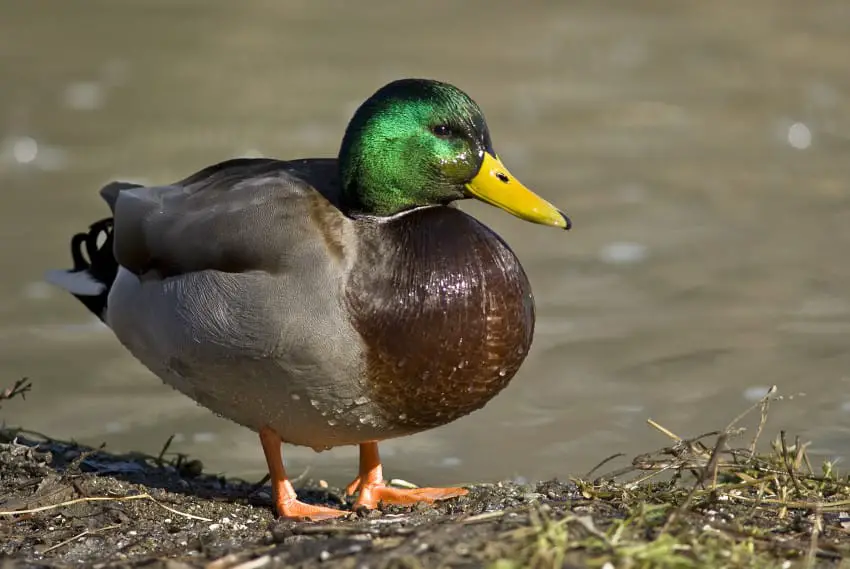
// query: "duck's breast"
[[445, 311]]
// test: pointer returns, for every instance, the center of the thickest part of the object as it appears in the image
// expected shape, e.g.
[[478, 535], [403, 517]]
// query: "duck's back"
[[236, 216]]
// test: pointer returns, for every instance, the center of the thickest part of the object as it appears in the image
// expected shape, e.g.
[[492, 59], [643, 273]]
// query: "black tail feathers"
[[94, 269]]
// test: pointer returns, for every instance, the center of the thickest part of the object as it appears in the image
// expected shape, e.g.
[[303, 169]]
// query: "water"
[[700, 148]]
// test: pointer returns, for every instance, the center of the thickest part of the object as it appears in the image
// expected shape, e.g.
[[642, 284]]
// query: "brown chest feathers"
[[446, 313]]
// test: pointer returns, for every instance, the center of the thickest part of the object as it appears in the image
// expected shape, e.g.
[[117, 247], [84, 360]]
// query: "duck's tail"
[[94, 269]]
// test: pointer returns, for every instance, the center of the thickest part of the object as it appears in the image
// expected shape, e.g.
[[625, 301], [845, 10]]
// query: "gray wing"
[[236, 216]]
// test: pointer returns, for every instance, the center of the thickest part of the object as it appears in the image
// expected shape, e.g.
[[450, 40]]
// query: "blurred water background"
[[701, 148]]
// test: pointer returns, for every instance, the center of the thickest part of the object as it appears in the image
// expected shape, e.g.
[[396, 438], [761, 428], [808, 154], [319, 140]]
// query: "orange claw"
[[373, 489], [285, 500]]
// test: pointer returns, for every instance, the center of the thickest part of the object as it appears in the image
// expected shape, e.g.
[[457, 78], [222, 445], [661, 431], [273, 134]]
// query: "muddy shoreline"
[[700, 502], [164, 514]]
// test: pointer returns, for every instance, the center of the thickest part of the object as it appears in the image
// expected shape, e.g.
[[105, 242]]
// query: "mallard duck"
[[326, 302]]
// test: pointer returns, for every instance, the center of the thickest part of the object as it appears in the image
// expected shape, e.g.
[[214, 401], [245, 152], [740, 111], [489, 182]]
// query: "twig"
[[294, 481], [485, 517], [812, 470], [787, 544], [801, 454], [228, 560], [811, 553], [165, 447], [664, 430], [74, 466], [788, 465], [710, 467], [20, 388], [103, 499], [239, 561], [603, 463], [254, 563], [256, 486], [614, 474], [79, 535], [756, 503], [796, 504], [301, 477], [714, 461], [763, 403], [653, 474]]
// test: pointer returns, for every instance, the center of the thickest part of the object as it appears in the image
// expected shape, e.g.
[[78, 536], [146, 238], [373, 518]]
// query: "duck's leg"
[[285, 501], [373, 489]]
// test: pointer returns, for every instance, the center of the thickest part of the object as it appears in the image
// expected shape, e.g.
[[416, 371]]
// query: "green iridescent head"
[[419, 142]]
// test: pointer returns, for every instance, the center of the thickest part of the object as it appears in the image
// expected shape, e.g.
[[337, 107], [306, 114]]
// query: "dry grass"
[[18, 389], [701, 502]]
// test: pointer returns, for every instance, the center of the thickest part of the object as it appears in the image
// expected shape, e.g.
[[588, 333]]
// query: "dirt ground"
[[187, 518], [64, 505]]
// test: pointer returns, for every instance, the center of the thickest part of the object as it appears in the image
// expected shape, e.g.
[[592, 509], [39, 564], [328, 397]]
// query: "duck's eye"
[[442, 130]]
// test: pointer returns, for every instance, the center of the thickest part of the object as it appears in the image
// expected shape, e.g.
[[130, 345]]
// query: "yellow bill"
[[496, 186]]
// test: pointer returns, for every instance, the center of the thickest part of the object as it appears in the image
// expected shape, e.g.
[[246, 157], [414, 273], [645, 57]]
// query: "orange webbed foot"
[[297, 510], [373, 490], [372, 495]]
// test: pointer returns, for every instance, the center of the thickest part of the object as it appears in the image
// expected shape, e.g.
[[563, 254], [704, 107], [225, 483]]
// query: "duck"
[[326, 302]]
